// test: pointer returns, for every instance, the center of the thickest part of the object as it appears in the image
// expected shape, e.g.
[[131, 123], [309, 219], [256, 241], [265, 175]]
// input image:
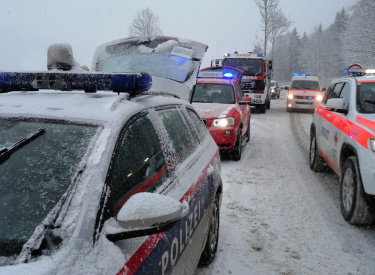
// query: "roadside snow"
[[278, 216]]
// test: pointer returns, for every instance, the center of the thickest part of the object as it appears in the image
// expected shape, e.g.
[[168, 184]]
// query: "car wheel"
[[278, 95], [316, 161], [262, 108], [268, 104], [352, 197], [209, 252], [236, 154]]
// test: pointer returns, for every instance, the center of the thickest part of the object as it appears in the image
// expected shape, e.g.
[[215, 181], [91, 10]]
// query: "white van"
[[304, 93]]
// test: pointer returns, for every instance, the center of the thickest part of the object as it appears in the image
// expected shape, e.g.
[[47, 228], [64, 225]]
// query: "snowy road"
[[278, 216]]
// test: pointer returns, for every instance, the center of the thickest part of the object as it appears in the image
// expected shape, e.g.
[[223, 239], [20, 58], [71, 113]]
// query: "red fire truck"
[[256, 81]]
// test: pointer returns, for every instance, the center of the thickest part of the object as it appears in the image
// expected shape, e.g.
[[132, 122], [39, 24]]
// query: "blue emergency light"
[[296, 74], [229, 75], [66, 81], [260, 55]]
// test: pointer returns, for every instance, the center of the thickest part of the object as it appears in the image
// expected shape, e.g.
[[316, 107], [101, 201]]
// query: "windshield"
[[213, 93], [34, 178], [159, 57], [305, 85], [250, 66], [366, 97]]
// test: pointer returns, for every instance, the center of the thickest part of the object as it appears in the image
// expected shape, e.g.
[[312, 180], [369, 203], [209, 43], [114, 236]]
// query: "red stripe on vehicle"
[[330, 163], [352, 130], [366, 122], [145, 249]]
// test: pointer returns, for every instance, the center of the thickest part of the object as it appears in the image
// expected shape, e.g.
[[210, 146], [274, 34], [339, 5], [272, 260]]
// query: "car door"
[[245, 110], [156, 152], [325, 128], [338, 126]]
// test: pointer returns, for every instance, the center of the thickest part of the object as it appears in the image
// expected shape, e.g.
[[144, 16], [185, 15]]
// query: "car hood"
[[213, 110]]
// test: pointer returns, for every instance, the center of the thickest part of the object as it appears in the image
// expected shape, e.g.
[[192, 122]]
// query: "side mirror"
[[145, 214], [336, 105], [286, 87], [323, 89]]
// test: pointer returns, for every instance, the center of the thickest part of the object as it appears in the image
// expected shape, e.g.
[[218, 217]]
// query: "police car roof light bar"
[[360, 72], [66, 81]]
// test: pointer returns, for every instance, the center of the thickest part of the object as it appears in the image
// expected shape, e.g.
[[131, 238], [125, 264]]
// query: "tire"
[[316, 161], [268, 104], [209, 252], [263, 108], [236, 153], [354, 207]]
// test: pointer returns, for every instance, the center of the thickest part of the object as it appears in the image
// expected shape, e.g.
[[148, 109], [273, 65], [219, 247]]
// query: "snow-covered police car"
[[343, 137], [304, 93], [102, 182], [219, 101]]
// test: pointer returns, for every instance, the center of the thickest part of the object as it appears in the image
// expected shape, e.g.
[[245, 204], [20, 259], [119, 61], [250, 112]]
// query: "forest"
[[327, 52]]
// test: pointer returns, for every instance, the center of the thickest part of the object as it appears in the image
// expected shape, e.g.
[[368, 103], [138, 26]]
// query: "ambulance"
[[304, 93]]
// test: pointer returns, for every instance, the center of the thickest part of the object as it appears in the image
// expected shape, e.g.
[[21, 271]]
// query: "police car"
[[304, 93], [219, 101], [114, 180], [343, 138]]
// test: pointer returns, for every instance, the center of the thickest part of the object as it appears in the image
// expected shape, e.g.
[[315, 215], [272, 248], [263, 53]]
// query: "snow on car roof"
[[76, 106]]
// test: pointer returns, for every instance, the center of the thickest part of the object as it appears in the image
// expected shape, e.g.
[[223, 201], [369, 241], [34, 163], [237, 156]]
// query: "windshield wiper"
[[6, 152], [370, 101]]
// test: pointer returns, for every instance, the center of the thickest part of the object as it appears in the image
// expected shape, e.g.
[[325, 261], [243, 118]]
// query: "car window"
[[333, 91], [366, 97], [213, 93], [239, 92], [345, 94], [35, 177], [138, 162], [305, 85], [178, 132], [198, 123], [328, 93]]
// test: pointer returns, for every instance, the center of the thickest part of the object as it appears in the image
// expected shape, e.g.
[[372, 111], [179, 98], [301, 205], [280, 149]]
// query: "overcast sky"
[[27, 27]]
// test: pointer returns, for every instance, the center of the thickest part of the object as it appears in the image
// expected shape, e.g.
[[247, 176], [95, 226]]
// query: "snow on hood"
[[213, 110]]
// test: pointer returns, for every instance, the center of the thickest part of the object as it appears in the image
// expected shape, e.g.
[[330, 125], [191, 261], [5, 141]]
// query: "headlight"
[[372, 144], [223, 122], [290, 96], [319, 97]]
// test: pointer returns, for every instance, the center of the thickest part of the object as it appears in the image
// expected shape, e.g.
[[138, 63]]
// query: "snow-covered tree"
[[269, 9], [145, 23], [358, 39]]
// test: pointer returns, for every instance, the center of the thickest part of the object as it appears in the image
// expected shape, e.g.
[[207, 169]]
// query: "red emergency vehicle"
[[256, 80], [219, 101]]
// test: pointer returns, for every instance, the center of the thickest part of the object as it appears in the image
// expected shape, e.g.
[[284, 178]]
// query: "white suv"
[[343, 138]]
